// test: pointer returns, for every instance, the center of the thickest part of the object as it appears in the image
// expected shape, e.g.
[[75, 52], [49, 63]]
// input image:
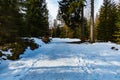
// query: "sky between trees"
[[53, 7]]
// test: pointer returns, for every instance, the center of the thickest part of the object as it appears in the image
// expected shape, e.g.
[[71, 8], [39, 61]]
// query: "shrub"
[[19, 47], [1, 54]]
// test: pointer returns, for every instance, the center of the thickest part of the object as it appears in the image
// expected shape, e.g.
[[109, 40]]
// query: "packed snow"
[[59, 60]]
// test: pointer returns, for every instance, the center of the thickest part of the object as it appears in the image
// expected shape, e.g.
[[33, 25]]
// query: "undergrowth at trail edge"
[[17, 48]]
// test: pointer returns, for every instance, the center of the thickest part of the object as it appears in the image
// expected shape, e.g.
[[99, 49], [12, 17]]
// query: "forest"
[[22, 19]]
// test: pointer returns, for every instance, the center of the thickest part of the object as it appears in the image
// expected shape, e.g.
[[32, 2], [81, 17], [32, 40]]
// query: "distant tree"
[[58, 31], [96, 25], [66, 32], [36, 18], [117, 32], [107, 19], [86, 28], [62, 31], [56, 28]]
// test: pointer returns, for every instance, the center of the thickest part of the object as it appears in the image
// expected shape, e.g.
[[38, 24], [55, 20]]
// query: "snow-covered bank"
[[62, 61]]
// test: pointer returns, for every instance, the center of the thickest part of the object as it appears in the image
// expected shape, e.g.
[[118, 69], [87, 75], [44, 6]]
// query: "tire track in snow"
[[27, 70], [30, 68], [85, 67]]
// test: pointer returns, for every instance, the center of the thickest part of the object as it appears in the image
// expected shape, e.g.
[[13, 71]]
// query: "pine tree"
[[36, 18], [10, 20], [66, 32], [107, 19], [117, 33], [70, 11], [11, 24]]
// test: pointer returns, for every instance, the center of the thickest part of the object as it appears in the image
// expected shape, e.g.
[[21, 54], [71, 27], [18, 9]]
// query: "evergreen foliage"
[[107, 19], [36, 18], [117, 32], [10, 20], [63, 31], [70, 11], [21, 18], [72, 14], [66, 32]]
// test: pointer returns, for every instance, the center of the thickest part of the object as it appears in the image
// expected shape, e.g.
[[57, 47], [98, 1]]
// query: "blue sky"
[[53, 8]]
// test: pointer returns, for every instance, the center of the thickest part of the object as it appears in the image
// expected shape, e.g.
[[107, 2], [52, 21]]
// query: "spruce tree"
[[10, 20], [117, 32], [36, 18], [107, 19], [11, 24], [70, 11]]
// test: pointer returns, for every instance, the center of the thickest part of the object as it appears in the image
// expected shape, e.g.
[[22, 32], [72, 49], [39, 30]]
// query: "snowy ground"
[[62, 61]]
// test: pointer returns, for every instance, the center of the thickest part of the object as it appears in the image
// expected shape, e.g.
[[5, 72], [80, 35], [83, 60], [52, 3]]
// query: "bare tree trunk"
[[83, 27], [92, 23]]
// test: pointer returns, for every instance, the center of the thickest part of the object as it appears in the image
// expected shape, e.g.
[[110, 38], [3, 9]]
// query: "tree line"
[[70, 14], [107, 21], [29, 18], [20, 19]]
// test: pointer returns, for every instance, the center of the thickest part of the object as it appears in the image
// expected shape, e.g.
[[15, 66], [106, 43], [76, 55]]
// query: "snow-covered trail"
[[59, 63], [62, 61]]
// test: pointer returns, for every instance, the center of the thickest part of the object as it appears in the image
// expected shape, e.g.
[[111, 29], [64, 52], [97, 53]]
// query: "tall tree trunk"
[[83, 27], [92, 23]]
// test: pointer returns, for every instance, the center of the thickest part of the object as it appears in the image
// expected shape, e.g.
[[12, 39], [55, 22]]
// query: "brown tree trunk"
[[92, 23], [83, 27]]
